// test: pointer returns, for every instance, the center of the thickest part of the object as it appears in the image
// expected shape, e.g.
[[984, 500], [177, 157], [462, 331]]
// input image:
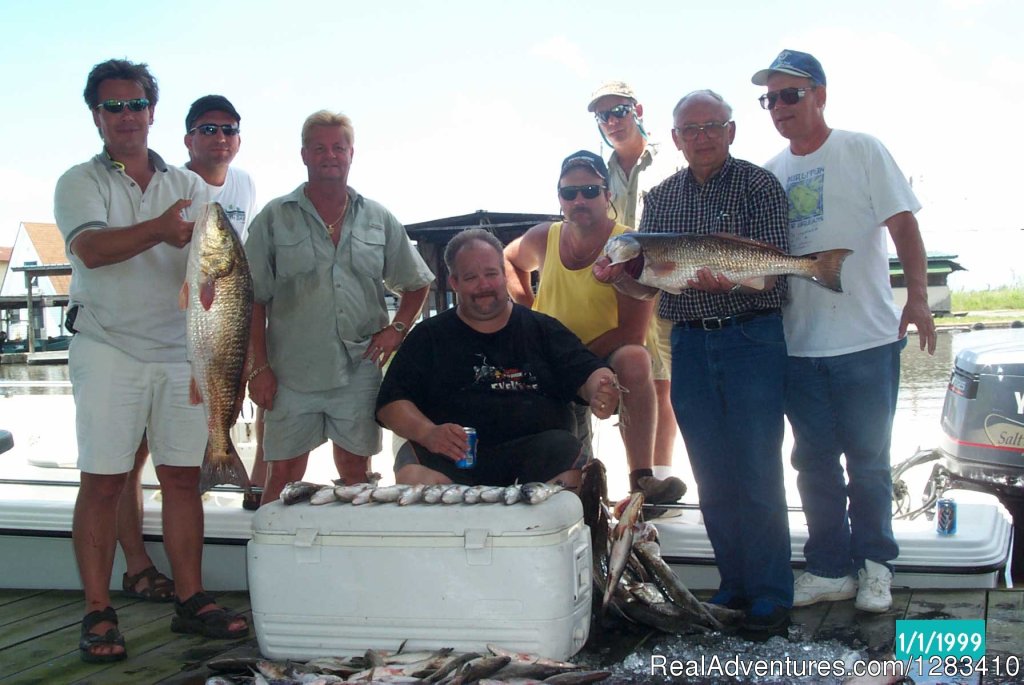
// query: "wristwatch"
[[399, 326]]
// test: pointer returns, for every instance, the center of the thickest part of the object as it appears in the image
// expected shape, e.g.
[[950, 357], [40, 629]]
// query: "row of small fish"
[[404, 494], [442, 666]]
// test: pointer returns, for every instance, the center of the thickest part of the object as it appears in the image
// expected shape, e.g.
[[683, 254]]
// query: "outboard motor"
[[982, 442]]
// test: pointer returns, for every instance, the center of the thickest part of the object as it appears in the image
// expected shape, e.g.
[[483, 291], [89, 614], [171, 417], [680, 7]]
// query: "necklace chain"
[[572, 249]]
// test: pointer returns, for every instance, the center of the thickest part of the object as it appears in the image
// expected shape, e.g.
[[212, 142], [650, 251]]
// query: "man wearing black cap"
[[213, 137], [611, 324], [844, 351]]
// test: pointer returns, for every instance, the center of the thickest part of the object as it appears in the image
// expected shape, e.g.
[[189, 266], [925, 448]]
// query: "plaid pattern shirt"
[[742, 198]]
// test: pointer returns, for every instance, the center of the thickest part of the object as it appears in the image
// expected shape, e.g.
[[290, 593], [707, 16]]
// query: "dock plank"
[[1004, 636], [944, 605], [49, 654], [870, 633]]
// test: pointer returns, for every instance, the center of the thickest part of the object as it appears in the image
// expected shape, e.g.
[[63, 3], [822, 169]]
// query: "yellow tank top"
[[583, 304]]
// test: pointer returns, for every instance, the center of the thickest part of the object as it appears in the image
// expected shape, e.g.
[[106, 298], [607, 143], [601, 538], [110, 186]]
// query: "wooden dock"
[[39, 632]]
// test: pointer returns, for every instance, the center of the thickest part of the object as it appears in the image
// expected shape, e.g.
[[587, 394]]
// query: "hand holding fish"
[[382, 345], [263, 386], [602, 393], [718, 284], [616, 274], [171, 228]]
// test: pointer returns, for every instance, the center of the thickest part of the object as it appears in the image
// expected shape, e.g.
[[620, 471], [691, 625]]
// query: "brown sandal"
[[158, 588]]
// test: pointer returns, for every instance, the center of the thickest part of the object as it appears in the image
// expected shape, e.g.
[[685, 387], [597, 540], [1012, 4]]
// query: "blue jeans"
[[727, 392], [845, 405]]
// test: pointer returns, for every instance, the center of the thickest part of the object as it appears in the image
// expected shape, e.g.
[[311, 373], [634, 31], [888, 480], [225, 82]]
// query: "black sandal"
[[213, 624], [111, 638], [159, 588]]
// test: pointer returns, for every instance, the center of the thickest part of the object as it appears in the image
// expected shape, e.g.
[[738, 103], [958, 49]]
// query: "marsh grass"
[[1003, 298]]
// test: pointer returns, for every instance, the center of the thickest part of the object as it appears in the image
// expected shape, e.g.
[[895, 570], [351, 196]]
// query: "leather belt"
[[716, 323]]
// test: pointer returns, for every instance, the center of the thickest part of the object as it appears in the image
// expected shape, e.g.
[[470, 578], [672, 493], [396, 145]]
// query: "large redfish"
[[668, 260], [217, 299]]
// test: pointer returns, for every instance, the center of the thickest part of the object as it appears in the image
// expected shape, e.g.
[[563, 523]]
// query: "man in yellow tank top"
[[611, 324]]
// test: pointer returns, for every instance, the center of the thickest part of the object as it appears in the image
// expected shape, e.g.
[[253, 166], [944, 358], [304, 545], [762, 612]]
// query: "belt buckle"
[[711, 323]]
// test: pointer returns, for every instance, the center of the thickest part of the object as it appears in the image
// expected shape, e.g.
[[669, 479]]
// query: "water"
[[36, 405]]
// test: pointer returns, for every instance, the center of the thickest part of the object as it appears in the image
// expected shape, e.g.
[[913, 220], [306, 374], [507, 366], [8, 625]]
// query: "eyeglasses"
[[712, 129], [618, 111], [790, 96], [568, 193], [211, 129], [117, 106]]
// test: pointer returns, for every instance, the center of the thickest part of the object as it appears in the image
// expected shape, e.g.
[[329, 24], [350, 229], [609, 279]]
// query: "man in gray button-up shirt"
[[321, 258]]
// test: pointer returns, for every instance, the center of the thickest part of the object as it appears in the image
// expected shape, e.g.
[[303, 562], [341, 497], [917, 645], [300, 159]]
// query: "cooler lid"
[[561, 511], [997, 352]]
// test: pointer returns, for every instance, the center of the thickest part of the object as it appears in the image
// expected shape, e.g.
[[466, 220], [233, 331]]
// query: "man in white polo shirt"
[[121, 215]]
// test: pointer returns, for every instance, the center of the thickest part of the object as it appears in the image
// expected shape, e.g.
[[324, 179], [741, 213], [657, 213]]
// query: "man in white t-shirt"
[[212, 138], [843, 373]]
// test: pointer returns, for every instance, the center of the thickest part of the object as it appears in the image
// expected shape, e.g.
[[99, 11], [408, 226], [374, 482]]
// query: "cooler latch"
[[478, 552], [306, 549]]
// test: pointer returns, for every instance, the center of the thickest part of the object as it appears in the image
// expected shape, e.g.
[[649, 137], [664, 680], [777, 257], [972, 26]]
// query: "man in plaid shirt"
[[728, 361]]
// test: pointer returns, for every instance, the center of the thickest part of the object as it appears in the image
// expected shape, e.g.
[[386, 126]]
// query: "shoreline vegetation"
[[1000, 307]]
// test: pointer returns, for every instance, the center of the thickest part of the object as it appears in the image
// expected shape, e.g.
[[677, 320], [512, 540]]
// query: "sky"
[[460, 106]]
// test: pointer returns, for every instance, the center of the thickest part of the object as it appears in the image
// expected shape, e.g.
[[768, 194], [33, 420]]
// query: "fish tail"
[[223, 469], [827, 268]]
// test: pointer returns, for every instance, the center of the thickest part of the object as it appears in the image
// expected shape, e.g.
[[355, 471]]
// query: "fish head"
[[215, 246], [622, 248]]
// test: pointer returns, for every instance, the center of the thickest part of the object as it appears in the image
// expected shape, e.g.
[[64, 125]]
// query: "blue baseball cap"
[[793, 63], [587, 160]]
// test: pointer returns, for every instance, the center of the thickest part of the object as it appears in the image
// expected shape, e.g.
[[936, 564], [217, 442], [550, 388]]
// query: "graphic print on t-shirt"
[[806, 191], [503, 379]]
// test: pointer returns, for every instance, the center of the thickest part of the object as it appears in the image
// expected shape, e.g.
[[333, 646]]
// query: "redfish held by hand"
[[217, 299], [668, 260]]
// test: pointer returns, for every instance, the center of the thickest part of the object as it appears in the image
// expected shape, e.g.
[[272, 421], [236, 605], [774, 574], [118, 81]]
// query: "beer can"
[[945, 516], [469, 460]]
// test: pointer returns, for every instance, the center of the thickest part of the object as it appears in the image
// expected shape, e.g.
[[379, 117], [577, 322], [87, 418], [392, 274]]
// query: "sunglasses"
[[618, 111], [712, 129], [568, 193], [117, 106], [211, 129], [790, 96]]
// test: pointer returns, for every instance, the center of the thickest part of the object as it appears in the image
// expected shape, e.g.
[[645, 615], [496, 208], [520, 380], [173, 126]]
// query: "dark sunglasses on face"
[[211, 129], [618, 111], [790, 96], [568, 193], [117, 106]]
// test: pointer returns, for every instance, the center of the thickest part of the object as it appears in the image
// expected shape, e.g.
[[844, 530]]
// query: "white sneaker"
[[875, 581], [811, 589]]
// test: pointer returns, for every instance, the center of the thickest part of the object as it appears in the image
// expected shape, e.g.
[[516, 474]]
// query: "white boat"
[[37, 499]]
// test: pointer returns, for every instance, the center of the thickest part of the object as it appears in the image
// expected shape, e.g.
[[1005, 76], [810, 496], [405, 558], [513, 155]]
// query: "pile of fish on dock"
[[628, 572], [402, 494], [442, 666]]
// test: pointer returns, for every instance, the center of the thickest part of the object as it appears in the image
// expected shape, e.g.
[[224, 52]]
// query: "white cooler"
[[337, 579]]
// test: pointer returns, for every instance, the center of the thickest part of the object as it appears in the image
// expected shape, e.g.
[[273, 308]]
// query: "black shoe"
[[729, 600], [661, 491], [765, 616]]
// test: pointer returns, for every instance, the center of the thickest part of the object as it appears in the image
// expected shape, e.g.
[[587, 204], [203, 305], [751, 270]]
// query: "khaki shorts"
[[118, 398], [659, 344], [302, 421]]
